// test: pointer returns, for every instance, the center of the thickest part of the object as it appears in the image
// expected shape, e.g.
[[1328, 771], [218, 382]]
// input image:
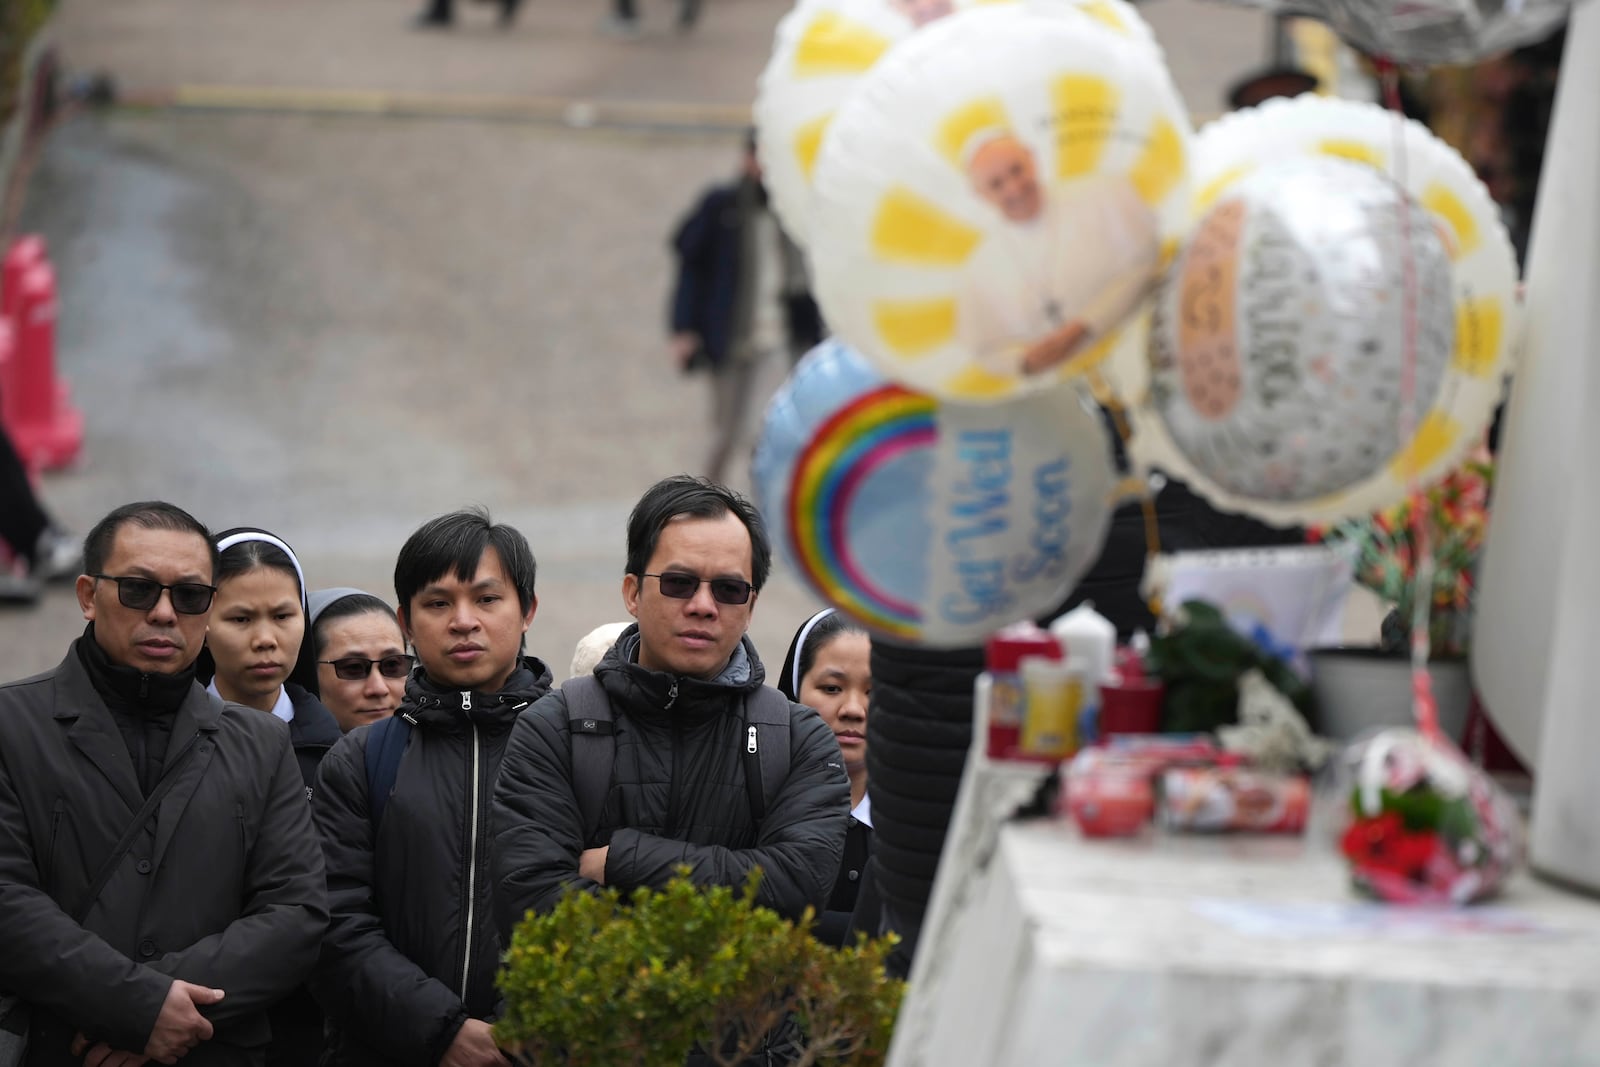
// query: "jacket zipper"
[[472, 854], [750, 745], [677, 765]]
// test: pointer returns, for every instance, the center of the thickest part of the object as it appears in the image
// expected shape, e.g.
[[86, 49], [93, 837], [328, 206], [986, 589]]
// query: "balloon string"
[[1423, 704], [1107, 399]]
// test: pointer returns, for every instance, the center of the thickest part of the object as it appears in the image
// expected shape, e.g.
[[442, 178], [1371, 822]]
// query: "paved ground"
[[287, 312]]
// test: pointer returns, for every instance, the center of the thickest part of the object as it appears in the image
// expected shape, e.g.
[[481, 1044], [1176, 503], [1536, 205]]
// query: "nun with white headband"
[[256, 650], [828, 668]]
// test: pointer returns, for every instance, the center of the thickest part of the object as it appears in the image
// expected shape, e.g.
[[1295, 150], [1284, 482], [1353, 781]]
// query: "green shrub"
[[603, 981]]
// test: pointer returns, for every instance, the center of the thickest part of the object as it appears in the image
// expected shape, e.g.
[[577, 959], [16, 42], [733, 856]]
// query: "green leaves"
[[605, 981], [1201, 659]]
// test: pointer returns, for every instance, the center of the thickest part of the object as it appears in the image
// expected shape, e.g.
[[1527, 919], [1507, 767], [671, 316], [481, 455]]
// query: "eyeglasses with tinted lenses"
[[142, 594], [681, 586], [356, 669]]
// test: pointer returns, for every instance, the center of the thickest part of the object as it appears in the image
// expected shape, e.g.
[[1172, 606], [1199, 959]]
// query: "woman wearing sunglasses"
[[360, 655]]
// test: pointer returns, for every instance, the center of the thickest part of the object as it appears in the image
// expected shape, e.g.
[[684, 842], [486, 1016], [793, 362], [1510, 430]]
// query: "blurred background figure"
[[39, 550], [360, 656], [828, 668], [741, 295], [593, 646], [441, 14]]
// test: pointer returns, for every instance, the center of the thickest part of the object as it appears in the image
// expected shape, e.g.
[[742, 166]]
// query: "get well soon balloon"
[[993, 200], [1279, 341], [930, 523], [821, 50]]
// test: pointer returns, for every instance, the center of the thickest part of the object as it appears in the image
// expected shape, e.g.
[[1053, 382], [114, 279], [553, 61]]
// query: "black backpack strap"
[[386, 744], [592, 735], [766, 748]]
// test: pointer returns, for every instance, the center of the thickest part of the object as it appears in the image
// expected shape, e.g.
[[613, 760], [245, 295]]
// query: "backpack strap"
[[386, 744], [592, 736], [766, 748]]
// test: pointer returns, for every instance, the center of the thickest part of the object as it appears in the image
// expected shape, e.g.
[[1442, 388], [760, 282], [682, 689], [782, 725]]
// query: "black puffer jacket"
[[313, 732], [411, 951], [677, 796], [918, 733]]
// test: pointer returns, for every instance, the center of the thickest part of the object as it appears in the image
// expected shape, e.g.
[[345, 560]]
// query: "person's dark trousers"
[[22, 520], [438, 13]]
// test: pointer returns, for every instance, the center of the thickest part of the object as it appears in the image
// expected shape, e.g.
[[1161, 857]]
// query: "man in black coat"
[[681, 686], [175, 943], [741, 294], [407, 971]]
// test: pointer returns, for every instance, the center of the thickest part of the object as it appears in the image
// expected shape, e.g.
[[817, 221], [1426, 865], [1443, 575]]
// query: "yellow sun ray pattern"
[[808, 142], [1480, 324], [1437, 434], [985, 113], [1438, 199], [913, 328], [1162, 166], [1212, 190], [974, 382], [1085, 109], [833, 44], [913, 231], [1105, 14], [1355, 151]]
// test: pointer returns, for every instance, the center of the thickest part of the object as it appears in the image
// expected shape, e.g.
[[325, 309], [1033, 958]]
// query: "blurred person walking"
[[160, 881], [403, 805], [441, 14], [360, 655], [41, 550], [741, 295], [828, 668]]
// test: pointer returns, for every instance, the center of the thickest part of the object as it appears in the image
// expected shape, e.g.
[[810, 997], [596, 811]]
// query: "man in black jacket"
[[175, 943], [407, 971], [740, 295], [681, 685]]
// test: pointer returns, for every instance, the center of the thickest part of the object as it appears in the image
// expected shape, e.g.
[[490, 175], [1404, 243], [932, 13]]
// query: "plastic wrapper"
[[1233, 799], [930, 523], [1429, 32], [1419, 824]]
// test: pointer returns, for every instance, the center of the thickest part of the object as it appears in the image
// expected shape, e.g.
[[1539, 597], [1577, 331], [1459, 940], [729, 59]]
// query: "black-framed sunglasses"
[[356, 668], [142, 594], [681, 586]]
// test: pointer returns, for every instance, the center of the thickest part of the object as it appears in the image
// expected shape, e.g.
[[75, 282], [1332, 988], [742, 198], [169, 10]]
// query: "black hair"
[[347, 607], [455, 543], [148, 515], [241, 557], [701, 498], [818, 632]]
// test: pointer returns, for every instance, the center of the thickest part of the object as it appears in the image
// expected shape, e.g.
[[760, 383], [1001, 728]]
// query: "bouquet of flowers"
[[1421, 825], [1449, 520]]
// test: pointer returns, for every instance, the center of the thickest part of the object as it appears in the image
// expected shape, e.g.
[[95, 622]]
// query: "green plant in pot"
[[604, 980], [1200, 658], [1443, 526]]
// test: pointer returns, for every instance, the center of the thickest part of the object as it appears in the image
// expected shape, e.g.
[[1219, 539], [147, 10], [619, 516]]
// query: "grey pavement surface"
[[337, 325]]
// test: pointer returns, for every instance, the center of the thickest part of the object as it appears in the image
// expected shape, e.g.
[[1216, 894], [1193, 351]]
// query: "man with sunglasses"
[[160, 880], [690, 723], [403, 806]]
